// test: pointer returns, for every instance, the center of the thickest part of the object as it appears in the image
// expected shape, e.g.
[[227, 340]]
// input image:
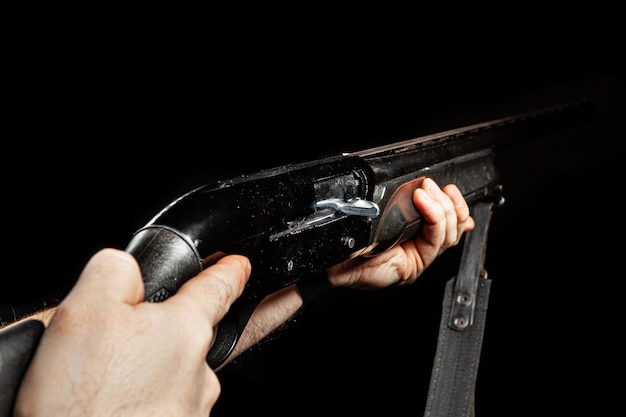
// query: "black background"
[[101, 135]]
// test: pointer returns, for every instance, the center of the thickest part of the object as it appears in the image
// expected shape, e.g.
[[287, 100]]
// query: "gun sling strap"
[[455, 366]]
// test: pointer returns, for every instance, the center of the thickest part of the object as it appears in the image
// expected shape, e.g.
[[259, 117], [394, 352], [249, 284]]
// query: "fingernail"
[[432, 187], [424, 194]]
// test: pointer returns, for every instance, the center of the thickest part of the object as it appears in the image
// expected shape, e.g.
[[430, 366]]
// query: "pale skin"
[[105, 352]]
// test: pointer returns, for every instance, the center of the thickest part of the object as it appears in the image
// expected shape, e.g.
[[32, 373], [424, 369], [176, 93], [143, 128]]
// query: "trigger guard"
[[229, 329]]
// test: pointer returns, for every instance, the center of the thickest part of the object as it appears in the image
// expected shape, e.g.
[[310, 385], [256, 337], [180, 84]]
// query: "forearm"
[[271, 313], [43, 315]]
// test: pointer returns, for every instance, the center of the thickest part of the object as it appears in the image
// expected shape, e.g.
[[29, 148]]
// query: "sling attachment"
[[453, 378]]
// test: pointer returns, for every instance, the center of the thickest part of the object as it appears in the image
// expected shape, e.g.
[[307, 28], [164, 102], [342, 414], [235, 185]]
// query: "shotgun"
[[298, 219]]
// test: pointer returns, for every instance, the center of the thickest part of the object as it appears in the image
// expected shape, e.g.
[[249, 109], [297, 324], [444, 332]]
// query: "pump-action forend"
[[293, 220], [299, 219]]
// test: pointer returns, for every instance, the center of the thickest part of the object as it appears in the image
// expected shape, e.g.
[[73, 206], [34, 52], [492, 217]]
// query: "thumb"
[[214, 289]]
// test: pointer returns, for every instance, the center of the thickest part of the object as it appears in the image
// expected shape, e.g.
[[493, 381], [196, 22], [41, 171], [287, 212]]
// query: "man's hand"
[[106, 352], [445, 217]]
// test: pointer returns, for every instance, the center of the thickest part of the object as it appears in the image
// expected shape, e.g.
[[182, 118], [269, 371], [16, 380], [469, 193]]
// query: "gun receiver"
[[297, 219]]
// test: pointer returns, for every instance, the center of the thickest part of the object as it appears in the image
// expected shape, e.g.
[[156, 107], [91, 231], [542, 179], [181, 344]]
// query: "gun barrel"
[[462, 156], [393, 160]]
